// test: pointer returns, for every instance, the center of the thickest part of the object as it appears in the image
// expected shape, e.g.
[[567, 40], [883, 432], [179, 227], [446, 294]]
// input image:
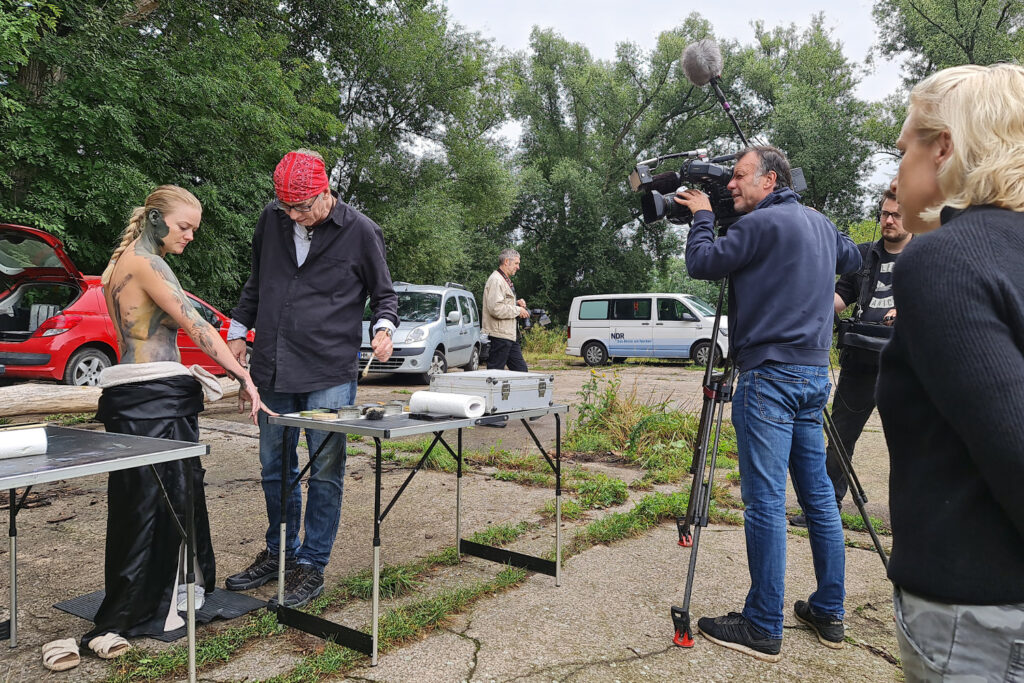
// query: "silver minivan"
[[439, 329], [605, 327]]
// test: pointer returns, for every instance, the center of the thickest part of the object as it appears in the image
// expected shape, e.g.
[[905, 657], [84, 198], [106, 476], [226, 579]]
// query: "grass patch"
[[664, 475], [856, 523], [733, 476], [501, 534], [649, 433], [526, 478], [70, 419], [649, 511], [601, 491], [544, 341], [570, 509], [509, 460]]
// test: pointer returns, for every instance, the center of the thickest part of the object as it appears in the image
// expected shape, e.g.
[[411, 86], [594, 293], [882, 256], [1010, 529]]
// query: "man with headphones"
[[870, 288]]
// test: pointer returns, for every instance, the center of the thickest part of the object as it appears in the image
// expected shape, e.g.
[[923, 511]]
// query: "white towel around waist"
[[130, 373]]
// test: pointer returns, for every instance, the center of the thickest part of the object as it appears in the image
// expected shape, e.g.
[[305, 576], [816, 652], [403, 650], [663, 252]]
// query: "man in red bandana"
[[314, 262]]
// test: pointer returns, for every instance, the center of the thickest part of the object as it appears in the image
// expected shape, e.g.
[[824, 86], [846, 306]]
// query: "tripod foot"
[[681, 620], [685, 537]]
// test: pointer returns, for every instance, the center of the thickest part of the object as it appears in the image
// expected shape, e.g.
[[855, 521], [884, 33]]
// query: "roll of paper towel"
[[459, 405], [15, 443]]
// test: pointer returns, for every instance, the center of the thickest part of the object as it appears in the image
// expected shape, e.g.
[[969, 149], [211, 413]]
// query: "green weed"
[[70, 419], [601, 491], [855, 522], [570, 509]]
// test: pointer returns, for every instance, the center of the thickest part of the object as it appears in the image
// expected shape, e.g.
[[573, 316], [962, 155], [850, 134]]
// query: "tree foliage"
[[585, 124], [797, 93], [124, 95], [936, 34]]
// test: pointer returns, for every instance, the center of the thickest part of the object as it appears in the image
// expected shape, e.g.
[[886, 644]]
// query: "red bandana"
[[299, 177]]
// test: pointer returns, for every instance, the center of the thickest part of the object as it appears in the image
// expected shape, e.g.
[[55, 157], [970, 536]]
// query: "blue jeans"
[[777, 411], [326, 476]]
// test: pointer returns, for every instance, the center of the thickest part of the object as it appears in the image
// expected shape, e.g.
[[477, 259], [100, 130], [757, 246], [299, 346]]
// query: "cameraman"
[[870, 288], [781, 259]]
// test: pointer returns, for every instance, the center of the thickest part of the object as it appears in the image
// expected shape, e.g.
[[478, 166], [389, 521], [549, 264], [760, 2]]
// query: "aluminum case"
[[502, 390]]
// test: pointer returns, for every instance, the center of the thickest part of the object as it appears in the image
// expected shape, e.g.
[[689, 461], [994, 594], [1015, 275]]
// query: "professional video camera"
[[540, 314], [658, 190]]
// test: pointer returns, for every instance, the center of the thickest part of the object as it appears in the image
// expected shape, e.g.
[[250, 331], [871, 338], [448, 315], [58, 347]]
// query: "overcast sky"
[[600, 24]]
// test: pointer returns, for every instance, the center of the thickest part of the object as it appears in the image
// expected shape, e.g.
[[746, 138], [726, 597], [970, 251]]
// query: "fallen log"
[[49, 399]]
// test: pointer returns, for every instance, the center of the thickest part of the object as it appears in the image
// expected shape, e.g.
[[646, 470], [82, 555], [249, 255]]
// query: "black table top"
[[80, 452]]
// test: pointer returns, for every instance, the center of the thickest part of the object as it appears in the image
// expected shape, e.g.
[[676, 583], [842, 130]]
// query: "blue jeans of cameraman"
[[326, 476], [777, 413]]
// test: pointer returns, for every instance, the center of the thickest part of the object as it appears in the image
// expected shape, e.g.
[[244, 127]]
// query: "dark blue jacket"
[[781, 260]]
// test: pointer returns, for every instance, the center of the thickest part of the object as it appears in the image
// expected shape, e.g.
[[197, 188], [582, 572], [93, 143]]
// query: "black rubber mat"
[[220, 604]]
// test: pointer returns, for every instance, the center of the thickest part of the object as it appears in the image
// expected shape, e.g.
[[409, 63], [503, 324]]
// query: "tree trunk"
[[49, 399]]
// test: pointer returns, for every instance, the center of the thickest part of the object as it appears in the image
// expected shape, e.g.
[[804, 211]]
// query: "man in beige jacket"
[[501, 308]]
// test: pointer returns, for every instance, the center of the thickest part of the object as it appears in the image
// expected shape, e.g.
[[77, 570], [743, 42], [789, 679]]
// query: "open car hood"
[[31, 254]]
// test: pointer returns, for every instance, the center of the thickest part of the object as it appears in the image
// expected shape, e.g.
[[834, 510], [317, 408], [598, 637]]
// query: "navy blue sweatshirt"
[[781, 260]]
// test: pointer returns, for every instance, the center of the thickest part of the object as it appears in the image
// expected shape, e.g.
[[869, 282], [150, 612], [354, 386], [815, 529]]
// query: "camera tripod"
[[717, 390]]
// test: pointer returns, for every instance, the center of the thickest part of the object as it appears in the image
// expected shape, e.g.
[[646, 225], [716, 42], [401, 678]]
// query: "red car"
[[53, 320]]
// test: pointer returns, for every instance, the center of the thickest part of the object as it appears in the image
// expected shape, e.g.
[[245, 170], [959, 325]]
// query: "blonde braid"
[[130, 234]]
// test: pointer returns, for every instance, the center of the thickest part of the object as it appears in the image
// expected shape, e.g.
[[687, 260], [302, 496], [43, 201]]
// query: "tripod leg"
[[856, 490]]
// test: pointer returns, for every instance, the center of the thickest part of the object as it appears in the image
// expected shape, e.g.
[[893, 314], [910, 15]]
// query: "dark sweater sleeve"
[[708, 258], [966, 358], [248, 301]]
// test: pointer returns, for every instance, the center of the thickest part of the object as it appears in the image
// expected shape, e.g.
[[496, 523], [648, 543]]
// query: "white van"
[[620, 326]]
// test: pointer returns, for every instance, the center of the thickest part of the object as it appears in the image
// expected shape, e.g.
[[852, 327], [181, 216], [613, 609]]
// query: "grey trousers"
[[961, 643]]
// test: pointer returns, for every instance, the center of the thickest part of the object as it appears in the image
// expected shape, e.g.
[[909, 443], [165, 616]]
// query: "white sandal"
[[61, 655], [109, 645]]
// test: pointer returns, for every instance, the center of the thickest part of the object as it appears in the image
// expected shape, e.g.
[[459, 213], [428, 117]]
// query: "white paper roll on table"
[[458, 405], [15, 443]]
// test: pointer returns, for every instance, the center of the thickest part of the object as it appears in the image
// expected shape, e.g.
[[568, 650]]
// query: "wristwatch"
[[387, 331]]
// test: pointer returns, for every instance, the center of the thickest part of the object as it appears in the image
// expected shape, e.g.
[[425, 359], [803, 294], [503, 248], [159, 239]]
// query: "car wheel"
[[474, 361], [438, 366], [594, 353], [699, 353], [84, 367]]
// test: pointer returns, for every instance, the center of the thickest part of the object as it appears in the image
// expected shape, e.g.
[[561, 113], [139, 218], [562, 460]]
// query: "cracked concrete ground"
[[608, 621]]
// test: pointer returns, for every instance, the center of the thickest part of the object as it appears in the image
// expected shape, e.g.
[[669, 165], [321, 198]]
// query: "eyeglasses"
[[890, 214], [297, 208]]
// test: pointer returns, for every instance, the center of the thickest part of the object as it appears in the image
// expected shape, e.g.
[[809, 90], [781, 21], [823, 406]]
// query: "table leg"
[[190, 566], [458, 500], [284, 518], [13, 533], [376, 548]]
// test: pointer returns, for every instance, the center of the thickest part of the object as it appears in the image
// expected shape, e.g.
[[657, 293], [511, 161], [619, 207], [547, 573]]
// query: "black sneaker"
[[736, 633], [262, 569], [303, 584], [829, 630], [798, 520]]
